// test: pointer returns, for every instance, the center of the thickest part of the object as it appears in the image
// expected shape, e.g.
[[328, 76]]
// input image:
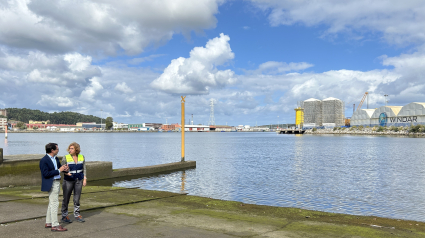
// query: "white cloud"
[[90, 91], [347, 85], [55, 101], [106, 94], [39, 67], [198, 73], [411, 68], [143, 59], [122, 87], [408, 64], [273, 67], [77, 62], [124, 115], [130, 99], [400, 22], [37, 76], [105, 27]]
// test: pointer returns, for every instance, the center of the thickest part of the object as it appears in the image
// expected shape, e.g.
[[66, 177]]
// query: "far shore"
[[415, 131], [114, 131]]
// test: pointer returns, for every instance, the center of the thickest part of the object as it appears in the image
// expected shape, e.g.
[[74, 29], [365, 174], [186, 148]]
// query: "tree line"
[[24, 115]]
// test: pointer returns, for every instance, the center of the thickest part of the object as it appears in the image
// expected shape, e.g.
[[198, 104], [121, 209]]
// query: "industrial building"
[[388, 111], [408, 115], [172, 127], [91, 126], [361, 117], [119, 126], [199, 128], [328, 113], [411, 114]]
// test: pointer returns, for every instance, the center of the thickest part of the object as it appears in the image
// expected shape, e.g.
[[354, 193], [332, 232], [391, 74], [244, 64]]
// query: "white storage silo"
[[332, 112], [312, 112]]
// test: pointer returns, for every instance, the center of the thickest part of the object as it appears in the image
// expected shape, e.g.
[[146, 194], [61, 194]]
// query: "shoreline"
[[11, 132], [365, 131]]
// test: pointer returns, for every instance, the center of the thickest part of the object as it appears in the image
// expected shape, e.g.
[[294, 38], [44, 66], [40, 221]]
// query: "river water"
[[361, 175]]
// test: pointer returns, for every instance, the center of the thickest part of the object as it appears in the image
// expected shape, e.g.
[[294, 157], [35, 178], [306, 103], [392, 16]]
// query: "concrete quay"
[[20, 170], [127, 212]]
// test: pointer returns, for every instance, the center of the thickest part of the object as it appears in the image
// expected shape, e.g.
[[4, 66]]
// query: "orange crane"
[[361, 102]]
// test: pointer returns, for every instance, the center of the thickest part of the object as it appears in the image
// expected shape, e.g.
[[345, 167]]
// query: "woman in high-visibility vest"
[[74, 180]]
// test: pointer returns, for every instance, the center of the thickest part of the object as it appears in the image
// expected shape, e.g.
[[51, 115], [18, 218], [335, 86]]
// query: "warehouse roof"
[[413, 109], [392, 111]]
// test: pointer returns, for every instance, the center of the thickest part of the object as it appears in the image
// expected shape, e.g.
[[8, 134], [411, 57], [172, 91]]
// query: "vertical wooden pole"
[[183, 101]]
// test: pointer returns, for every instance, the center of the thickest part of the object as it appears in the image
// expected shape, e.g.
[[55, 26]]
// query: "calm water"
[[363, 175]]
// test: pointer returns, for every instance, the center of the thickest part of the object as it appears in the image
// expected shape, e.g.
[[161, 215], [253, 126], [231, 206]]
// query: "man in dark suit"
[[51, 168]]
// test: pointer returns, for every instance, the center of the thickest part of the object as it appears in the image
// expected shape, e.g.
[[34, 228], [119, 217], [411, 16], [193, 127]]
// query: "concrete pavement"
[[120, 212]]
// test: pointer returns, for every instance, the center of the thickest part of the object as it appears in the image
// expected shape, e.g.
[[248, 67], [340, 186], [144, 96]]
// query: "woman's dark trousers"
[[68, 187]]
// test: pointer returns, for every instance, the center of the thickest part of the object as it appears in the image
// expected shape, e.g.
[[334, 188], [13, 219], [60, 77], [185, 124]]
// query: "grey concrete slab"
[[103, 224], [12, 211]]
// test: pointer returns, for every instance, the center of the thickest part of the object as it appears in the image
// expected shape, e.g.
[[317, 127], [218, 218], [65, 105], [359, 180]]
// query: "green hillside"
[[24, 115]]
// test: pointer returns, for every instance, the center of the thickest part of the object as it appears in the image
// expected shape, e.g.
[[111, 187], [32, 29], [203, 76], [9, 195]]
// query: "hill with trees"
[[24, 115]]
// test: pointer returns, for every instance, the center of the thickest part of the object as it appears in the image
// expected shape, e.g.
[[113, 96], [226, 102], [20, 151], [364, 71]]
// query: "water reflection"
[[183, 181]]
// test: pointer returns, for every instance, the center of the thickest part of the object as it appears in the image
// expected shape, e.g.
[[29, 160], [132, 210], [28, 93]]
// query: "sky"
[[256, 59]]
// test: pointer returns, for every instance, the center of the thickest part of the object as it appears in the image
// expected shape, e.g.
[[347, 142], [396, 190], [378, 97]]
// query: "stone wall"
[[365, 131]]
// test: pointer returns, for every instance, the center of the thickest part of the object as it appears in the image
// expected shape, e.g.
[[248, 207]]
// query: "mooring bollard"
[[1, 155]]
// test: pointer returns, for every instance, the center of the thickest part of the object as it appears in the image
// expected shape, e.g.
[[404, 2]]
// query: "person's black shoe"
[[66, 219]]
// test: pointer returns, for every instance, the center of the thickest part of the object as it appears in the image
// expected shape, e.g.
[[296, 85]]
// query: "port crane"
[[347, 121], [361, 102]]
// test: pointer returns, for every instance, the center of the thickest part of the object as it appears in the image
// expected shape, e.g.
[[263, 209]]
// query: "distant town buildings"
[[3, 123], [93, 126], [224, 128], [3, 112], [119, 126], [135, 126], [156, 126], [196, 128], [38, 122], [172, 127]]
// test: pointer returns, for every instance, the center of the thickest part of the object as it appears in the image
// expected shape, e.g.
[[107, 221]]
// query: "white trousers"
[[52, 209]]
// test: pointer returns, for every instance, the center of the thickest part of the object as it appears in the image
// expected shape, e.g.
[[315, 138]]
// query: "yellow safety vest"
[[75, 167]]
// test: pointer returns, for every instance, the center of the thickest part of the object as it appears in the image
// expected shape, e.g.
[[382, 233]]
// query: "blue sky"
[[255, 58]]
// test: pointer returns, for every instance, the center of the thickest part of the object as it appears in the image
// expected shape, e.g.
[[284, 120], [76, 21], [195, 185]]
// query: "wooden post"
[[182, 101]]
